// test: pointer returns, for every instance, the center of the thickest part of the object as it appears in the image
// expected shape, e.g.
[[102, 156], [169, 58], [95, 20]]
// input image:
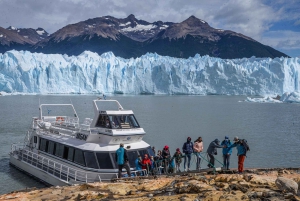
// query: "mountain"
[[25, 72], [20, 39], [194, 36], [130, 37], [33, 35]]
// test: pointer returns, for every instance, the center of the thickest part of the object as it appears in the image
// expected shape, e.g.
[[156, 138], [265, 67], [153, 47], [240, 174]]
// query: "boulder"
[[286, 185]]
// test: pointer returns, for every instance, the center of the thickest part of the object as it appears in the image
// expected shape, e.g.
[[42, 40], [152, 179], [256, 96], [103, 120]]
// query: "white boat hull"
[[38, 173]]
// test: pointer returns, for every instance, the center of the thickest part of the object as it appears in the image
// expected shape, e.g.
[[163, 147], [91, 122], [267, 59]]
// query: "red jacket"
[[146, 162]]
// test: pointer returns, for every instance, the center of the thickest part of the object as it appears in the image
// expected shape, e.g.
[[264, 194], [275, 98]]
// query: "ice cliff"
[[22, 71]]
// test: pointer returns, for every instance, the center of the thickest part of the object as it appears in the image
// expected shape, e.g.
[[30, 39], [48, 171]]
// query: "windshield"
[[117, 121]]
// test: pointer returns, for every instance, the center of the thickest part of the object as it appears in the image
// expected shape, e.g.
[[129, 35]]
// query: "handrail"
[[161, 166], [57, 169]]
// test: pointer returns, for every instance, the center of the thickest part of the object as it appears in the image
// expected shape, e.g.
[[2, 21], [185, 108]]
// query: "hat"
[[236, 138], [189, 138], [166, 147], [121, 145], [177, 149], [226, 137]]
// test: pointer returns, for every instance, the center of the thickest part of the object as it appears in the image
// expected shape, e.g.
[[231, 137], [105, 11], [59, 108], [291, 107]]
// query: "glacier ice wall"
[[22, 71]]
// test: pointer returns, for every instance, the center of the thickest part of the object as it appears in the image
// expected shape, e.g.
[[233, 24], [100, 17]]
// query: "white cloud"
[[282, 39]]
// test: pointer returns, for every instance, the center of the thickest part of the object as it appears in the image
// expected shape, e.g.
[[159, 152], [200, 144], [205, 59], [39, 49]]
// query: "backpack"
[[246, 145]]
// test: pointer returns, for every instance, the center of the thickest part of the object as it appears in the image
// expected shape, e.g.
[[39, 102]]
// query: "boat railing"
[[168, 165], [58, 170]]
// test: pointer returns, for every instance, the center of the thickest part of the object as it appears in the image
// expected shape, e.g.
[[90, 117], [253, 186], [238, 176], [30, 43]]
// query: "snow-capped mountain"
[[129, 37], [22, 71], [33, 35]]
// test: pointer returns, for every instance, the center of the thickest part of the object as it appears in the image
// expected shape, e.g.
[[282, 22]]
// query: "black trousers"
[[127, 168], [211, 160]]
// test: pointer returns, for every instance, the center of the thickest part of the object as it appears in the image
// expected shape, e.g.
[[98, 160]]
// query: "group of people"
[[164, 162]]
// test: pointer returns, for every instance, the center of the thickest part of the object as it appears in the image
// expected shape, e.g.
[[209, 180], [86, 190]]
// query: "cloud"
[[282, 39], [52, 15], [297, 22]]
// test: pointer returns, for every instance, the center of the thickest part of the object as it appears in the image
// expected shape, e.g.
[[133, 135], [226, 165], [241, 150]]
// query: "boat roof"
[[90, 146]]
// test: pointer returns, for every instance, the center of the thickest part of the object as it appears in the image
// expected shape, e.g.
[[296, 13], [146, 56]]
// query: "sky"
[[272, 22]]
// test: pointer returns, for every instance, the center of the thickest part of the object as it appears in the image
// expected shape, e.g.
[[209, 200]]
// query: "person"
[[107, 124], [166, 157], [187, 149], [146, 162], [241, 152], [152, 164], [178, 159], [153, 149], [138, 165], [212, 150], [198, 148], [122, 160], [226, 152], [171, 168], [158, 161]]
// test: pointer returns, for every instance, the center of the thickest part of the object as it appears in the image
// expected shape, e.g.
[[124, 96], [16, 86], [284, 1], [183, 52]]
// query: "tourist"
[[226, 152], [152, 164], [166, 157], [241, 152], [178, 159], [122, 160], [153, 149], [138, 165], [187, 149], [171, 168], [198, 148], [146, 162], [158, 162], [212, 150]]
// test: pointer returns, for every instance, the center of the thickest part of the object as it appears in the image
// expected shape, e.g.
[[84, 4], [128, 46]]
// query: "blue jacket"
[[187, 147], [241, 150], [227, 150], [138, 165], [121, 156]]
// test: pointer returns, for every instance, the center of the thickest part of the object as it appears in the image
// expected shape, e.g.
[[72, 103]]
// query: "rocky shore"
[[254, 184]]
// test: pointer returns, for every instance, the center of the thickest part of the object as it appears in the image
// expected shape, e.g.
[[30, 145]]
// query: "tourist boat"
[[58, 150]]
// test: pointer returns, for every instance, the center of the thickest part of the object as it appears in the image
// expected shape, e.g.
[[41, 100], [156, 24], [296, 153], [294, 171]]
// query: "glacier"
[[37, 73]]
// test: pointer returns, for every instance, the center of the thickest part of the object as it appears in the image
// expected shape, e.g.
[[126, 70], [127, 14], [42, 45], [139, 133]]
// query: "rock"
[[286, 185], [150, 195]]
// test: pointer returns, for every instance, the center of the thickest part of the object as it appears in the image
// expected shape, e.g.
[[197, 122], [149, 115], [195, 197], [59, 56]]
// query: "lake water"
[[272, 130]]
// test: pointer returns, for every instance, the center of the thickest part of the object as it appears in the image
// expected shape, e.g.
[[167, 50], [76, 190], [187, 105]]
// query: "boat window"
[[133, 121], [132, 156], [35, 139], [104, 160], [59, 150], [90, 160], [114, 121], [103, 121], [123, 121], [43, 144], [78, 157], [143, 152], [71, 154], [51, 147], [66, 152]]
